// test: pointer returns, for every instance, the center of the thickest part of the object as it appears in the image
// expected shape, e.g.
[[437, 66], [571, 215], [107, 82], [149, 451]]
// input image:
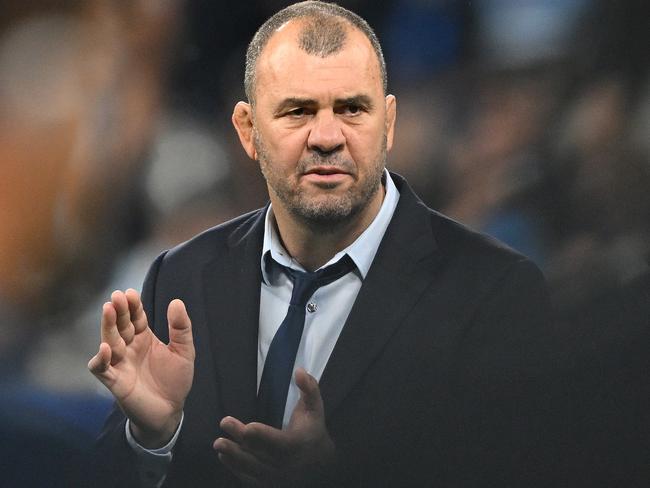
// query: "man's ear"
[[391, 114], [242, 119]]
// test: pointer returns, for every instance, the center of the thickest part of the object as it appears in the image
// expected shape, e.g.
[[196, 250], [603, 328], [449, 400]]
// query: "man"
[[428, 362]]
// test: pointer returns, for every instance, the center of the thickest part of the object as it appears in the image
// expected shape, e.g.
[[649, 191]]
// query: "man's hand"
[[149, 380], [264, 456]]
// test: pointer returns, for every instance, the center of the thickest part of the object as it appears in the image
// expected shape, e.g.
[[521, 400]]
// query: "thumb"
[[180, 329], [310, 396]]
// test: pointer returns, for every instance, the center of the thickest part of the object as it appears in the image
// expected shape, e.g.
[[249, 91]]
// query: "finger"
[[240, 461], [101, 361], [138, 317], [180, 330], [310, 396], [124, 325], [268, 444], [109, 333], [254, 439], [234, 428]]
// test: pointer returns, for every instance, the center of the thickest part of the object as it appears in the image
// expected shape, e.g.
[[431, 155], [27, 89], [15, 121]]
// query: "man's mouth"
[[326, 175], [326, 170]]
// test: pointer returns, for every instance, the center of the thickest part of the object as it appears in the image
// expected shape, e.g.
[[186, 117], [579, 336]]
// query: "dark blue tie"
[[280, 359]]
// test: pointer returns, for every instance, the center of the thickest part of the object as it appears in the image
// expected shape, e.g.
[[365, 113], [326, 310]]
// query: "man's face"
[[320, 128]]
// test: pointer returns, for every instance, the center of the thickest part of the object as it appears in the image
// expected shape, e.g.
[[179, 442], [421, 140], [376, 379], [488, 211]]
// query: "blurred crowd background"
[[525, 119]]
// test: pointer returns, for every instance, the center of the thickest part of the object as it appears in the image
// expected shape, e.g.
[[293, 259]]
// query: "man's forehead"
[[290, 36], [283, 54]]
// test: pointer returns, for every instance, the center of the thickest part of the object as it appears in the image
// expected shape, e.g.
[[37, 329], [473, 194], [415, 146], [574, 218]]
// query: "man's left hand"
[[265, 456]]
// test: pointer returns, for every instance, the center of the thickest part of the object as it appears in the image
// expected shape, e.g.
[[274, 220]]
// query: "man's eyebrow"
[[358, 100], [294, 102]]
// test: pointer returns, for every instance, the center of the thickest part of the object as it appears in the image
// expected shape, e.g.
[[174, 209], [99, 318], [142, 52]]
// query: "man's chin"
[[324, 212]]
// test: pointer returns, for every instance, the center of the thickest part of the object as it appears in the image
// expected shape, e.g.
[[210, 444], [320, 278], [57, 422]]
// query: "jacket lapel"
[[400, 273], [232, 301]]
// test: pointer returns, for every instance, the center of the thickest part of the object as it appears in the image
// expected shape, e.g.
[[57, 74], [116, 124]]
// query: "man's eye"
[[354, 109], [297, 112], [351, 109]]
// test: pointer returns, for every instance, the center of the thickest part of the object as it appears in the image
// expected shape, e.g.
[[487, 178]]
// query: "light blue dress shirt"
[[328, 308]]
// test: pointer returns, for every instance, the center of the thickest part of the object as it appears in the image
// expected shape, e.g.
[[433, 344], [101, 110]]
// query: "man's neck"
[[312, 246]]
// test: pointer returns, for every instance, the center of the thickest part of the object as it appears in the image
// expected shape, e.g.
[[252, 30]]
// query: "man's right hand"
[[149, 380]]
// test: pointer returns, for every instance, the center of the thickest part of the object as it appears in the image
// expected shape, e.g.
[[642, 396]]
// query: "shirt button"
[[312, 307]]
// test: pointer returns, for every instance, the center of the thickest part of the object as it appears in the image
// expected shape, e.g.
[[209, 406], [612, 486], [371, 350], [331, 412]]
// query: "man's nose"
[[326, 135]]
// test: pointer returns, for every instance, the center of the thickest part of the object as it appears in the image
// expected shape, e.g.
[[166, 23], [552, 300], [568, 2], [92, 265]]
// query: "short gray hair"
[[323, 35]]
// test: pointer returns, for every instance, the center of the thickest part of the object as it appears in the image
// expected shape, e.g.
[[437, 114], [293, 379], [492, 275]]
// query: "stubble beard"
[[327, 213]]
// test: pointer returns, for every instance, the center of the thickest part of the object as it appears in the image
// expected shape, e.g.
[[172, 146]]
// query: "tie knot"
[[306, 283]]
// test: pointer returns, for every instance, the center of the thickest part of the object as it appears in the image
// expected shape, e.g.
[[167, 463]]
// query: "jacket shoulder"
[[451, 233], [453, 241], [479, 254], [213, 241]]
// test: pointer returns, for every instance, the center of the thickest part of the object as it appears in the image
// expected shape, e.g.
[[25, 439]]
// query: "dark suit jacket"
[[610, 391], [444, 374]]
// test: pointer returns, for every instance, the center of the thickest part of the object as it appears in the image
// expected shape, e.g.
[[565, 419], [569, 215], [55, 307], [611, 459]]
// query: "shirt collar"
[[362, 250]]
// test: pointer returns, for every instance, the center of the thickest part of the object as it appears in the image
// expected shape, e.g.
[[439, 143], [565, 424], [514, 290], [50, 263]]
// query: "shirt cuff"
[[153, 463]]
